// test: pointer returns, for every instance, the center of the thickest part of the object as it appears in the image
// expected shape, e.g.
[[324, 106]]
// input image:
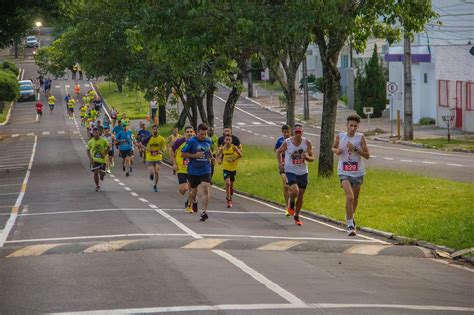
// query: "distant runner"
[[285, 130], [124, 139], [96, 151], [180, 167], [350, 146], [51, 102], [39, 110], [155, 146], [229, 155]]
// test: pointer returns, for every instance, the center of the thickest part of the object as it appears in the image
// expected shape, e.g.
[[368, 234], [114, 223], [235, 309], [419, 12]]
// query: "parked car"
[[32, 42], [27, 91]]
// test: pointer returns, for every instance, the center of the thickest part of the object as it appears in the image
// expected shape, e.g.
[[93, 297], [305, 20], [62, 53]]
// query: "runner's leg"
[[346, 185]]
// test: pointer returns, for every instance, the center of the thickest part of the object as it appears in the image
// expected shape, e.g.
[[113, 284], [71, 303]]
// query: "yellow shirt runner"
[[154, 148]]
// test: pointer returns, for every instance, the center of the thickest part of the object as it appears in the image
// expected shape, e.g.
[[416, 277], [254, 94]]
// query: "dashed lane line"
[[428, 162], [452, 164]]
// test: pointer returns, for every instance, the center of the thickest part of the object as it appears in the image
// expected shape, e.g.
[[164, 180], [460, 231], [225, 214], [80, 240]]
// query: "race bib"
[[297, 160], [154, 153], [350, 166], [98, 155]]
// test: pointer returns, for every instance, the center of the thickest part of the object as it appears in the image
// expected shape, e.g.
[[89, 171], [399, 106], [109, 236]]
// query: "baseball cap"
[[298, 128]]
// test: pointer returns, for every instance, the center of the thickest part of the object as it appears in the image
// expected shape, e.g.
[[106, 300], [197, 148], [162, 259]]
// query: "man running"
[[142, 134], [298, 150], [154, 145], [350, 146], [235, 141], [96, 151], [51, 101], [198, 151], [228, 155], [124, 139], [70, 106], [285, 130], [39, 110], [109, 137], [180, 166]]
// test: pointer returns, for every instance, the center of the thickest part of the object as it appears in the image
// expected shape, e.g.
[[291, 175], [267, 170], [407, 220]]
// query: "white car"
[[32, 41], [27, 90]]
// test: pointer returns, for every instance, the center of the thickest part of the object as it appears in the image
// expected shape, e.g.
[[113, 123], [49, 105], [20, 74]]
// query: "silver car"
[[27, 91], [32, 42]]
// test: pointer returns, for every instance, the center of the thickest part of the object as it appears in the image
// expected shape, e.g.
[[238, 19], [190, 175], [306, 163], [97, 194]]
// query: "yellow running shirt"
[[98, 149], [181, 162], [51, 100], [154, 148], [229, 158]]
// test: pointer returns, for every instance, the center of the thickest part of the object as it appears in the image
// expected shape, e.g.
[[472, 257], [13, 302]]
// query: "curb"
[[7, 119], [418, 145]]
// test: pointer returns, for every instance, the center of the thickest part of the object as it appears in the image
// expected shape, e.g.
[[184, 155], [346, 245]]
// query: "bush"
[[427, 121], [10, 66], [9, 90]]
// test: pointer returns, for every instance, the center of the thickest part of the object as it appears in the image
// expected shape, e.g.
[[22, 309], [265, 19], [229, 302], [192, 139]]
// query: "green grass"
[[275, 86], [466, 143], [3, 115], [129, 101], [435, 210]]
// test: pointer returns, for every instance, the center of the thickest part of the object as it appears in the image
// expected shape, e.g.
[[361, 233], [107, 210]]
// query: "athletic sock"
[[350, 222], [292, 204]]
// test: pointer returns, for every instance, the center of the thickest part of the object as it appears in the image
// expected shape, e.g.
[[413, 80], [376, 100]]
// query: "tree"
[[339, 20], [10, 66], [285, 36], [370, 86], [9, 90]]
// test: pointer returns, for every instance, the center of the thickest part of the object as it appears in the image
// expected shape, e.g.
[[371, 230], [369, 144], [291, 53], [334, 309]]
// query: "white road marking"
[[408, 161], [294, 300], [4, 185], [134, 194], [354, 240], [428, 162], [155, 207], [113, 176], [14, 213], [452, 164], [67, 86], [242, 307], [121, 184], [142, 199], [61, 132], [271, 137], [241, 123], [179, 224], [256, 123], [6, 194], [411, 150], [11, 165], [30, 134], [243, 129], [57, 86], [257, 134], [312, 134], [365, 249], [36, 240], [127, 188], [86, 85], [116, 179], [373, 156], [389, 159], [45, 133], [245, 112], [265, 136]]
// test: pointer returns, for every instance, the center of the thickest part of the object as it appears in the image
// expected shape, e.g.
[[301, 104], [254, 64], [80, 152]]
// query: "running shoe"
[[229, 203], [351, 231], [189, 209], [204, 217], [186, 203], [287, 213], [155, 188], [152, 176], [298, 221], [107, 171], [127, 174], [97, 188], [131, 169], [291, 211], [195, 207]]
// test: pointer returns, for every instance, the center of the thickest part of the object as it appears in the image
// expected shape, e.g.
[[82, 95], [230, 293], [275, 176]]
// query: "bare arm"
[[238, 152], [364, 150], [335, 148], [280, 151], [309, 156]]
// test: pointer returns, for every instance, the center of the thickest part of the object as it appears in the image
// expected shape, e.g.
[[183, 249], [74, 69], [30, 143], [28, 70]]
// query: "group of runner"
[[195, 154]]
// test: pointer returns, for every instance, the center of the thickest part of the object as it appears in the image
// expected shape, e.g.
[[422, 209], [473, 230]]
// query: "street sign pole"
[[391, 117]]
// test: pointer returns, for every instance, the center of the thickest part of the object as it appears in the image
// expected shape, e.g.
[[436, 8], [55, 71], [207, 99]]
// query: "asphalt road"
[[259, 126], [127, 249]]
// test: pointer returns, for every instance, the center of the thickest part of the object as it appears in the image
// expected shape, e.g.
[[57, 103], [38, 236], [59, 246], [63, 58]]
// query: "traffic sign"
[[265, 75], [392, 89]]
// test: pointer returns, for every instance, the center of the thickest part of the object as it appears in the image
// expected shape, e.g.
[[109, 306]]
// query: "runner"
[[180, 166], [113, 116], [198, 151], [39, 111], [109, 161], [235, 141], [84, 115], [142, 133], [124, 139], [51, 101], [285, 130], [106, 122], [77, 89], [229, 155], [70, 106], [350, 146], [171, 140], [155, 146], [214, 147], [298, 150], [96, 151]]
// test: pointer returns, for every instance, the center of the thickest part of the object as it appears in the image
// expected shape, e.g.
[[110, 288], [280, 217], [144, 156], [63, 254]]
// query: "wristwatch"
[[355, 149]]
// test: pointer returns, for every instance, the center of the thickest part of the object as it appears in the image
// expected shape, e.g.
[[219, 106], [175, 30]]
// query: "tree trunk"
[[407, 98], [202, 110], [119, 85], [2, 106], [210, 104], [16, 46], [182, 119], [331, 87], [291, 98], [194, 111], [162, 114], [230, 106]]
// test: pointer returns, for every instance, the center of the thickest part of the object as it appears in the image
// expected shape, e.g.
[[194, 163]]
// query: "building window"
[[425, 77], [344, 61], [470, 96], [443, 93]]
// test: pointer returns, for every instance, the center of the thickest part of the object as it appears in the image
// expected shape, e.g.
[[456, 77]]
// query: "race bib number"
[[98, 155], [155, 153], [350, 166], [297, 160]]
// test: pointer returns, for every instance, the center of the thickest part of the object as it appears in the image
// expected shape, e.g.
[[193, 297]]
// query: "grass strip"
[[420, 207], [466, 143], [128, 101], [4, 114]]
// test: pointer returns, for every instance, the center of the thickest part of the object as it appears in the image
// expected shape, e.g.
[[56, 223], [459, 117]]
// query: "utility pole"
[[305, 90], [249, 78], [407, 99]]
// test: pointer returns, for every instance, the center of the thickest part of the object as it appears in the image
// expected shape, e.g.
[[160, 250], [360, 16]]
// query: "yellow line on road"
[[208, 243], [366, 249], [280, 245], [33, 250], [108, 246]]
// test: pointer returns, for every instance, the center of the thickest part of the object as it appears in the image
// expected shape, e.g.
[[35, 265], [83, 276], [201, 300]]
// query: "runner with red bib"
[[39, 110]]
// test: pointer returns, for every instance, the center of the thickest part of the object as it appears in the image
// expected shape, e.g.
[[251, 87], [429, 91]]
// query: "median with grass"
[[457, 144], [129, 101]]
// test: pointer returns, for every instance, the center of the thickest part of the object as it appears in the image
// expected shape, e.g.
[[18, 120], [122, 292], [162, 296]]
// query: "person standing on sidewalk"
[[350, 146], [198, 151], [153, 110], [298, 150], [285, 131]]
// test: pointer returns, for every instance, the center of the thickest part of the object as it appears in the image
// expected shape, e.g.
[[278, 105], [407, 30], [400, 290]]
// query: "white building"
[[442, 67]]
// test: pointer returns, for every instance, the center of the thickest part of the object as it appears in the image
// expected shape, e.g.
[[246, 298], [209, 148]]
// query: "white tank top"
[[350, 163], [108, 138], [294, 162]]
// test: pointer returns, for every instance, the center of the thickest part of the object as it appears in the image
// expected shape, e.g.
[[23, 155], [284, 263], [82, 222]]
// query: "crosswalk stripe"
[[241, 123], [57, 86]]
